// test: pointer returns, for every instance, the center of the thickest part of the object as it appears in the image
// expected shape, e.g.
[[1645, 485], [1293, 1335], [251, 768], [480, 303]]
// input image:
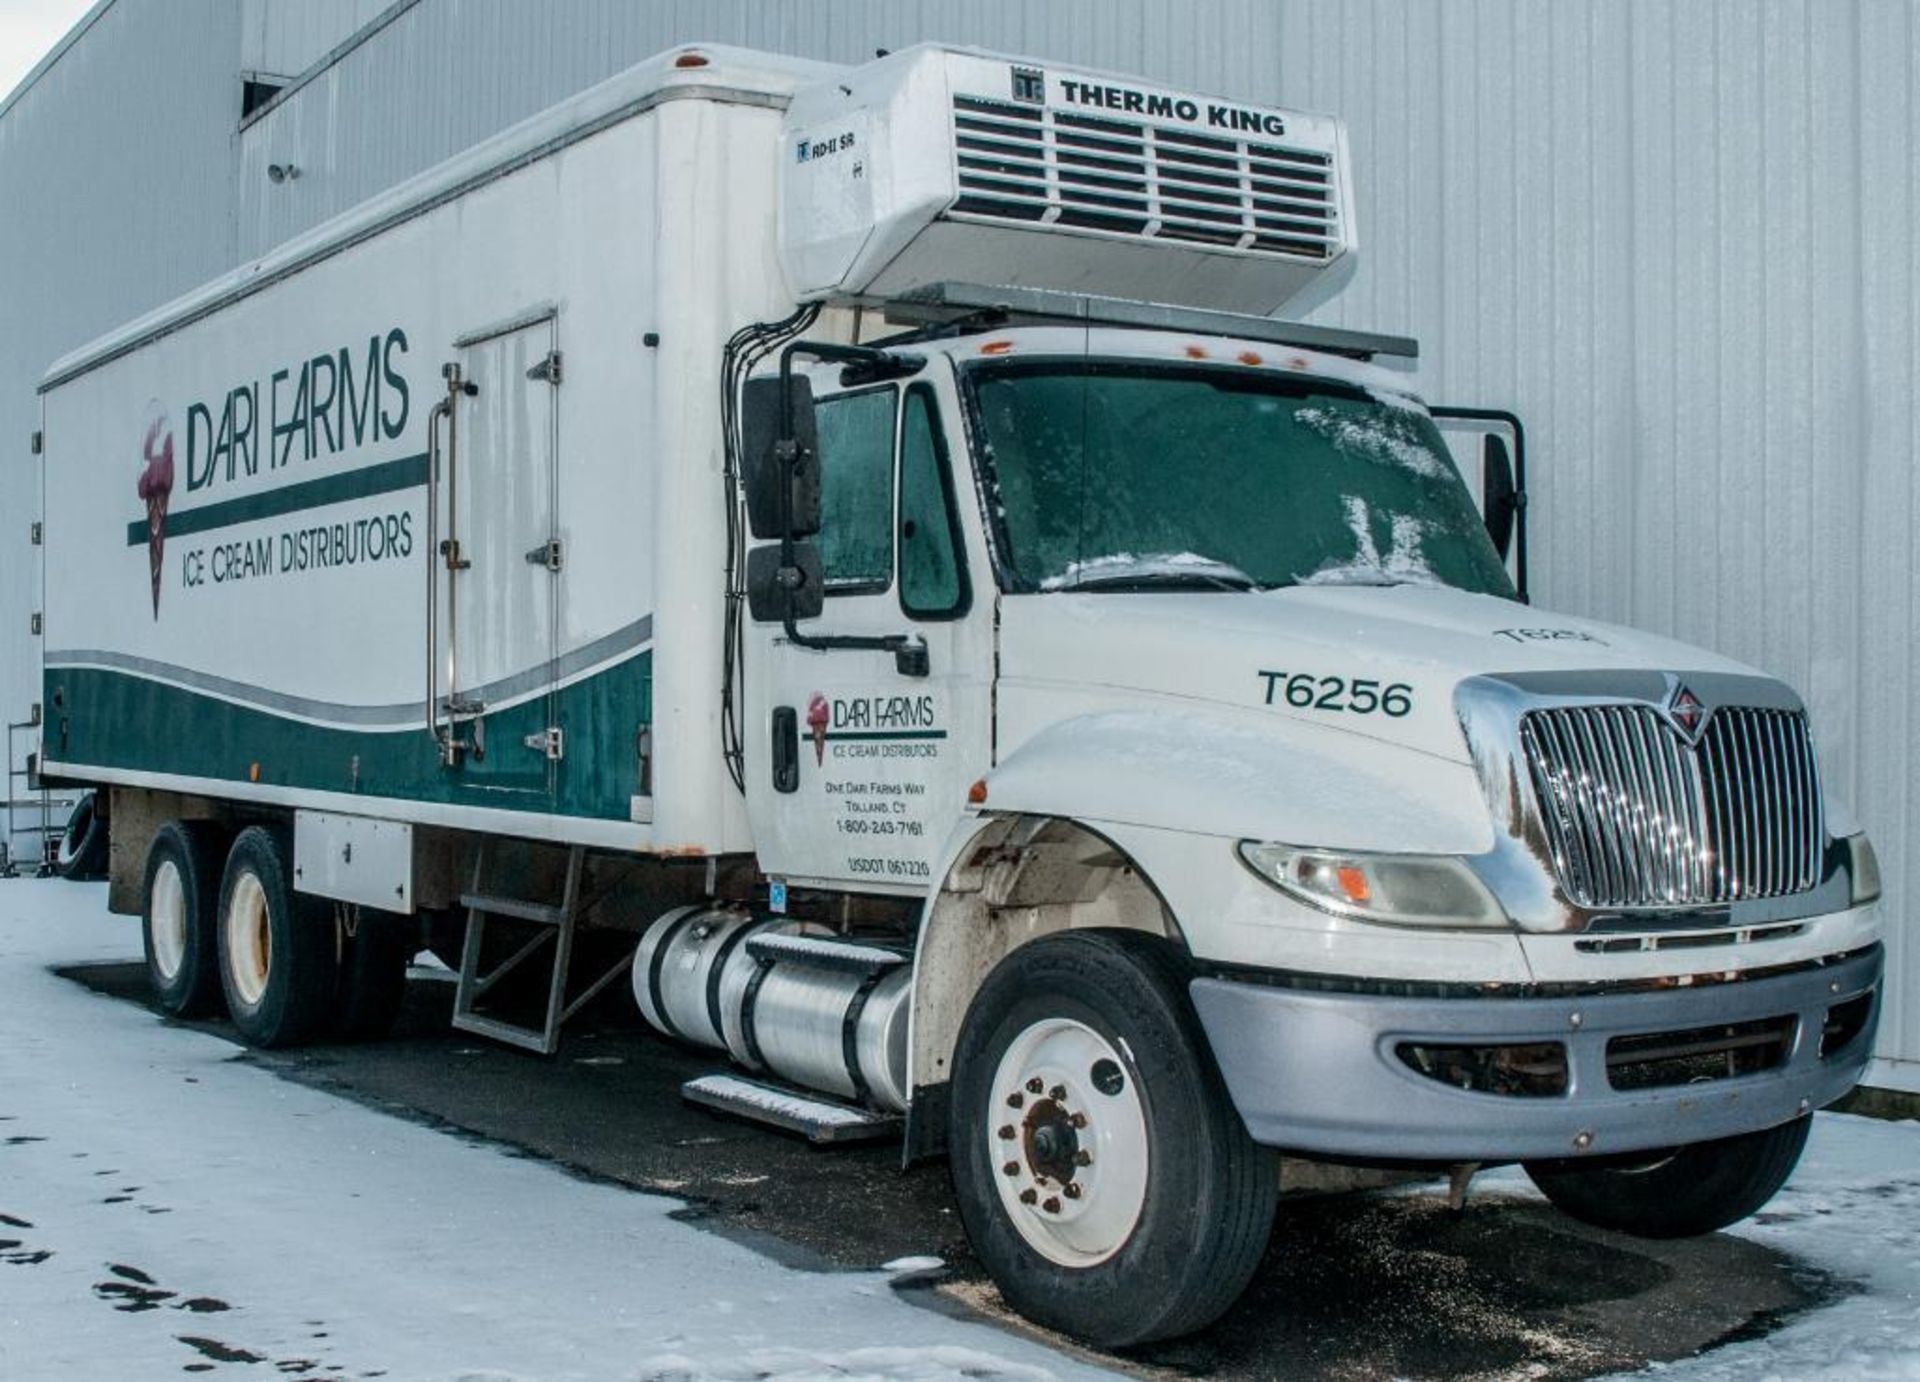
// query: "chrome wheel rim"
[[1067, 1140]]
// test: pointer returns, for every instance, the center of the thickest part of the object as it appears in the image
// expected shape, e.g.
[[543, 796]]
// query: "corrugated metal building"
[[1678, 236]]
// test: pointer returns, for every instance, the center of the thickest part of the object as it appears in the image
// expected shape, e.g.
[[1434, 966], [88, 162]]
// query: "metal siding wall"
[[115, 195], [1675, 234], [1678, 239]]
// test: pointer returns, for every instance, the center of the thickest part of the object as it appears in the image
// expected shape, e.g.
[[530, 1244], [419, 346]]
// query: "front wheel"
[[1104, 1178], [1678, 1194]]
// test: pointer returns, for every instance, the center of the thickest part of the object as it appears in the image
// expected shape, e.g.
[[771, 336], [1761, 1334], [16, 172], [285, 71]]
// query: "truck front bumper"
[[1337, 1073]]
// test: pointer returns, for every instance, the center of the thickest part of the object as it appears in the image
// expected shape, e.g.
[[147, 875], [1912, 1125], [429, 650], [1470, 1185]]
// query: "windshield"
[[1127, 475]]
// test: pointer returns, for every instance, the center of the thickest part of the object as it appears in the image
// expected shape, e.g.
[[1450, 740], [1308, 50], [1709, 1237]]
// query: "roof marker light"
[[691, 60], [996, 347], [1195, 352], [1248, 357]]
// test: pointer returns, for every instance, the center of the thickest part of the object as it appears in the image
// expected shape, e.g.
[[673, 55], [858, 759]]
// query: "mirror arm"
[[909, 650]]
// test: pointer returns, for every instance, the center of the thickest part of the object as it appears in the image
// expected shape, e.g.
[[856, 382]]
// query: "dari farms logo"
[[155, 489]]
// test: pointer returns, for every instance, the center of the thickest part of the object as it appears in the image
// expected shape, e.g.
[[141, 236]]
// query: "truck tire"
[[179, 907], [1688, 1191], [1103, 1177], [82, 853], [279, 957], [373, 973]]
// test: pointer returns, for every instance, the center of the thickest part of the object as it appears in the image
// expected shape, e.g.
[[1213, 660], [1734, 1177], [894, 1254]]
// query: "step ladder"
[[555, 924]]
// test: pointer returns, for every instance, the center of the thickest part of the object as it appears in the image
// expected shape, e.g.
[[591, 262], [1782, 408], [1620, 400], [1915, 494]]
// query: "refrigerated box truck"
[[866, 554]]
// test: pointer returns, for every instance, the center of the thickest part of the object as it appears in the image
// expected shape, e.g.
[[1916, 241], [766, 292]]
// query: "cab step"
[[823, 952], [819, 1120]]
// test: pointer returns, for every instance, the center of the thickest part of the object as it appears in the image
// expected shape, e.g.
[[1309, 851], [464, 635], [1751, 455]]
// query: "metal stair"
[[813, 1116], [556, 924]]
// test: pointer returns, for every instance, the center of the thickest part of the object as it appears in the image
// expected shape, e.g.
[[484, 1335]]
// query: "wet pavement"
[[1354, 1286]]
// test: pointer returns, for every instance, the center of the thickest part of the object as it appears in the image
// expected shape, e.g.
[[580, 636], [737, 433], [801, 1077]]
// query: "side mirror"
[[774, 592], [1500, 493], [761, 432]]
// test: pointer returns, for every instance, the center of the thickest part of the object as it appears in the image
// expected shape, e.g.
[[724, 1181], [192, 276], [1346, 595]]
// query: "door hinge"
[[38, 623], [39, 533], [547, 554], [548, 369], [551, 741], [37, 442]]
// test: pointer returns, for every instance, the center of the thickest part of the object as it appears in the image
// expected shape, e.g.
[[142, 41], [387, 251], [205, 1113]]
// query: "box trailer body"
[[1096, 724]]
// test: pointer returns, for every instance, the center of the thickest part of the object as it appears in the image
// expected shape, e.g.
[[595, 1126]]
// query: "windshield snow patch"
[[1127, 564], [1385, 438], [1404, 563]]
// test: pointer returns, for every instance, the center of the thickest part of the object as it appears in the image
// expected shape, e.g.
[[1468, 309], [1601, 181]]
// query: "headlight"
[[1865, 870], [1397, 889]]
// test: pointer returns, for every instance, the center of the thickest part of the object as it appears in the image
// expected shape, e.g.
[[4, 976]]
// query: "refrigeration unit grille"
[[1123, 177]]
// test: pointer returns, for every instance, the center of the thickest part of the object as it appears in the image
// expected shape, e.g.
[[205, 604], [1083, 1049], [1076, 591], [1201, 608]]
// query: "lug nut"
[[1028, 1197], [1016, 1100], [1052, 1206], [1079, 1120], [1006, 1132], [1058, 1094], [1083, 1157], [1034, 1086], [1012, 1168], [1072, 1190]]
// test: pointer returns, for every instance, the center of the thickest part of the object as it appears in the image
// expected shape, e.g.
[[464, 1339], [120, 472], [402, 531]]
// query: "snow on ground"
[[166, 1207], [1853, 1208]]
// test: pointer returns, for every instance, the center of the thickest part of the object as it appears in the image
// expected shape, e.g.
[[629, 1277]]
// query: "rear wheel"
[[1677, 1194], [180, 901], [279, 957], [82, 853], [1103, 1176]]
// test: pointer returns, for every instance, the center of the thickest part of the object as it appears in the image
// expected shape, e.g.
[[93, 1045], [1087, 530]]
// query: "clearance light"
[[691, 60], [1248, 357], [996, 347], [1195, 352], [977, 794], [1393, 889]]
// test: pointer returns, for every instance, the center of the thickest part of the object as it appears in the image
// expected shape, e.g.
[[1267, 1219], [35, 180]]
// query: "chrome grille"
[[1031, 163], [1638, 817]]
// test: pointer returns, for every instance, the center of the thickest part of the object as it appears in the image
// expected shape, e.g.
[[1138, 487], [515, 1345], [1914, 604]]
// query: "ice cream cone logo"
[[817, 724], [155, 488]]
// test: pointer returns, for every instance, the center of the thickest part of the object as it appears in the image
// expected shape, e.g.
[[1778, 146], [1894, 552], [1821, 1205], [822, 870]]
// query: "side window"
[[856, 490], [933, 576]]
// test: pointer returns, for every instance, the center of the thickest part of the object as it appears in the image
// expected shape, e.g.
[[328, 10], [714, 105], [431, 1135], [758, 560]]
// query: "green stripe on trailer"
[[108, 719], [409, 472]]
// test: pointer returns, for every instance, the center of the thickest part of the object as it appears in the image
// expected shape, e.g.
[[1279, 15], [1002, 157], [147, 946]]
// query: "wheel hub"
[[1070, 1140]]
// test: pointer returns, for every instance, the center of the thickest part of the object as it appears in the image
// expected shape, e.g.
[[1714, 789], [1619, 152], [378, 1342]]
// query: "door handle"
[[786, 749]]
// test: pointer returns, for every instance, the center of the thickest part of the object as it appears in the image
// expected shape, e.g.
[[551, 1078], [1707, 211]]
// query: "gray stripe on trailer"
[[404, 715]]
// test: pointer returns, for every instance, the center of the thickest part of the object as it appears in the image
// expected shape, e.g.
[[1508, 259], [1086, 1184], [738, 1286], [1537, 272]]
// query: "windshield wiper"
[[1183, 571]]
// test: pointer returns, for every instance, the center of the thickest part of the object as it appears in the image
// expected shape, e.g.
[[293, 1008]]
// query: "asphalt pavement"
[[1384, 1284]]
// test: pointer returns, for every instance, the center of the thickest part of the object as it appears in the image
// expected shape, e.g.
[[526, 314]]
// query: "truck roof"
[[699, 71]]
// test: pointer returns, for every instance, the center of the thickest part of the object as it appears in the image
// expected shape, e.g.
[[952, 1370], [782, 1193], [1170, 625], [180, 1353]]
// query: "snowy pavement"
[[168, 1207]]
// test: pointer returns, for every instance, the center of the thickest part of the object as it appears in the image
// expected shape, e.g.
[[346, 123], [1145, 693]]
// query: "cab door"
[[857, 766]]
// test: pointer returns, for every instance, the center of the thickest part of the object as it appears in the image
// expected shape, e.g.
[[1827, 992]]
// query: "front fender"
[[1216, 773]]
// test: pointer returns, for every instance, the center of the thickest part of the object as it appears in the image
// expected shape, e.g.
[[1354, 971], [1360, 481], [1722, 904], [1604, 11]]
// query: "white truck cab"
[[877, 535]]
